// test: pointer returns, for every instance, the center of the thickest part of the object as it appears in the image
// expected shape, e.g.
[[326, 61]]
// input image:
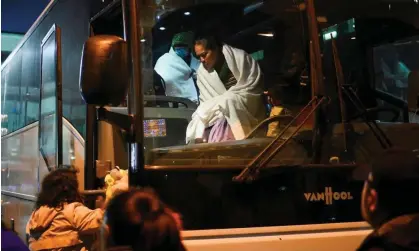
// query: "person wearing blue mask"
[[178, 68]]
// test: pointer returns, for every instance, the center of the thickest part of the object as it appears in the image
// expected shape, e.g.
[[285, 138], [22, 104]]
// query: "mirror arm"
[[124, 122]]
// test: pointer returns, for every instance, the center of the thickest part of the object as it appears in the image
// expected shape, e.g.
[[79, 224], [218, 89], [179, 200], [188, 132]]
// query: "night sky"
[[18, 15]]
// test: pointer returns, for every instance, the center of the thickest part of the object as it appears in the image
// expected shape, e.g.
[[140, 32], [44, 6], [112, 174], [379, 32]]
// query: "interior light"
[[187, 13], [353, 38], [269, 34], [162, 28], [330, 35], [142, 40]]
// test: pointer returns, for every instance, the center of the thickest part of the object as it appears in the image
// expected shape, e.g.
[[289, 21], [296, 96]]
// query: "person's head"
[[137, 218], [182, 44], [392, 187], [208, 50], [59, 187]]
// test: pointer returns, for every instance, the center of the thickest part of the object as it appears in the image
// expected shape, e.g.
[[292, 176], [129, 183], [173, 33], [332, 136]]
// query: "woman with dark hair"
[[230, 93], [139, 220], [60, 220]]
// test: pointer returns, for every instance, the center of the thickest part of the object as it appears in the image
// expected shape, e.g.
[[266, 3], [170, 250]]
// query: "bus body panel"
[[326, 241]]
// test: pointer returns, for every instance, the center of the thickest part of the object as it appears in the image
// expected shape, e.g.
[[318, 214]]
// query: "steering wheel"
[[375, 110]]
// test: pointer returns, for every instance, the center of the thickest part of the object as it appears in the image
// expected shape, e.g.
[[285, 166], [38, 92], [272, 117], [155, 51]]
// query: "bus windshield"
[[222, 68], [222, 80]]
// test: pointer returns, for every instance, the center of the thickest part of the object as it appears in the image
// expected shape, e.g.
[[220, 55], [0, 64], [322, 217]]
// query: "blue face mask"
[[182, 52]]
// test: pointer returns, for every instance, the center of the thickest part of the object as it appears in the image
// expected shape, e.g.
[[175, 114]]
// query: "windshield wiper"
[[251, 171], [355, 100], [376, 130]]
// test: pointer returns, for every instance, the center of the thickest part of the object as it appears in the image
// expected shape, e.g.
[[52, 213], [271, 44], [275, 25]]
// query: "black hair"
[[396, 180], [59, 187], [395, 198], [209, 42], [138, 218]]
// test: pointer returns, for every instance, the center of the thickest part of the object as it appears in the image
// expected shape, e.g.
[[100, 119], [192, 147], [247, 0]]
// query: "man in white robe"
[[178, 68], [230, 87]]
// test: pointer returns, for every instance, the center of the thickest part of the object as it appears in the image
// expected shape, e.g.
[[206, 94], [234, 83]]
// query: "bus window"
[[12, 96], [224, 59], [394, 64]]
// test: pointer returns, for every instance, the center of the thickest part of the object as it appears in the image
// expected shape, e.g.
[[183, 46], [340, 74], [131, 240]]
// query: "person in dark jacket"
[[390, 202], [10, 241]]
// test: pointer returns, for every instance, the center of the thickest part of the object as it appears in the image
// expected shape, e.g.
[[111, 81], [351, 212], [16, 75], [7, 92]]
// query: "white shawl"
[[177, 75], [241, 105]]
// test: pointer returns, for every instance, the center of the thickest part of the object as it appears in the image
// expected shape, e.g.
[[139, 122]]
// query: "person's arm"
[[87, 220], [198, 84]]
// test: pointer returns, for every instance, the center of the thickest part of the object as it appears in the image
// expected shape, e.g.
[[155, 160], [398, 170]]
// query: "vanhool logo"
[[328, 196]]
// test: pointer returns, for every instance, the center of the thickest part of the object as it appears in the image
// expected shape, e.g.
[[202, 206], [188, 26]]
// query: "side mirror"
[[104, 75]]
